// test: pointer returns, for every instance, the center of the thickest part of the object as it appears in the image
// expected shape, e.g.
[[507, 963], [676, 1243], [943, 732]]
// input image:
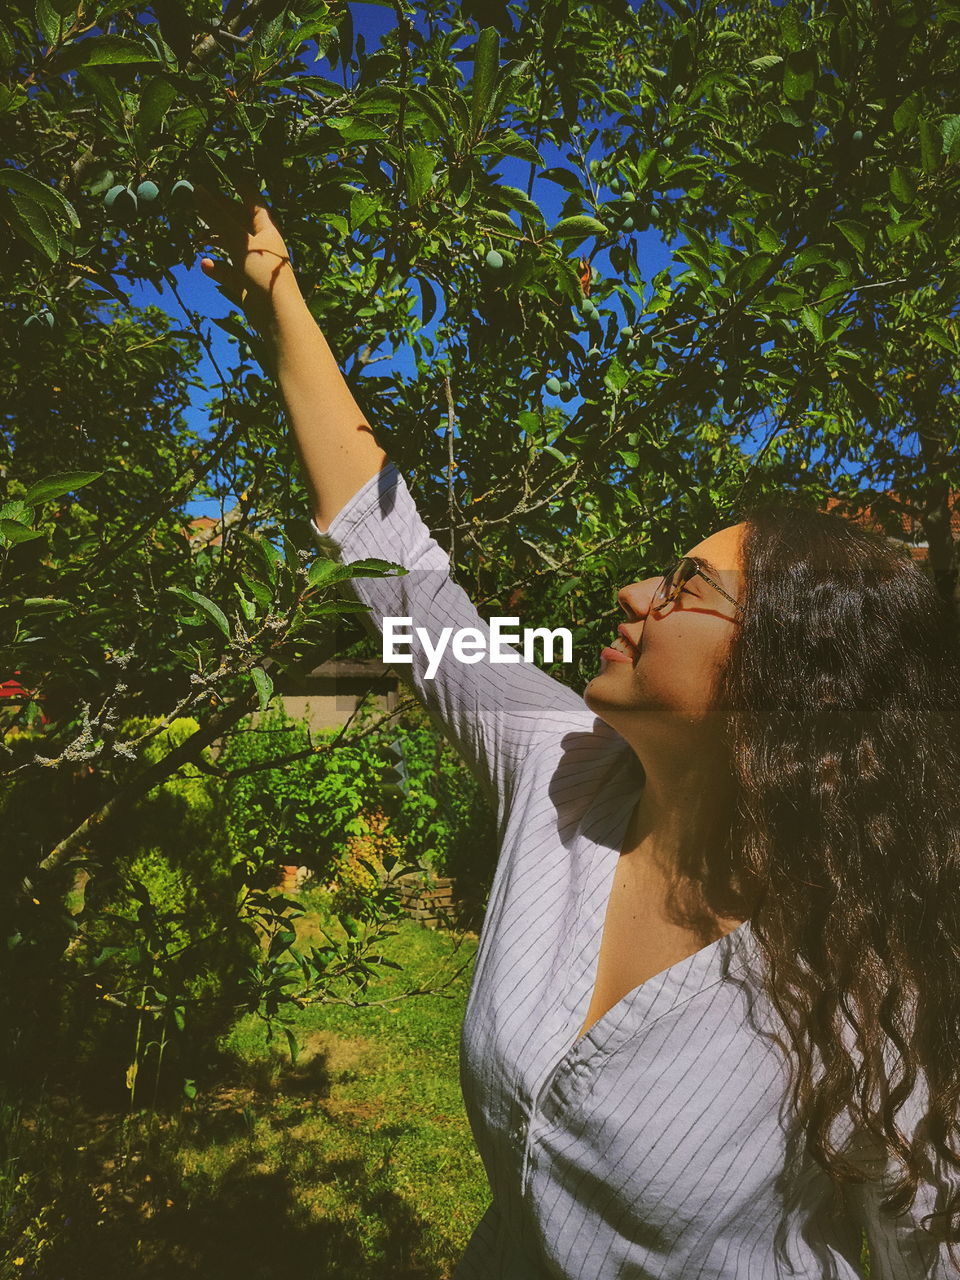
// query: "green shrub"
[[308, 811], [164, 928]]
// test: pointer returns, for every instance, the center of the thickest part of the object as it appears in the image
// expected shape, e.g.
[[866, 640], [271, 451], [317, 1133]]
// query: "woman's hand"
[[259, 270]]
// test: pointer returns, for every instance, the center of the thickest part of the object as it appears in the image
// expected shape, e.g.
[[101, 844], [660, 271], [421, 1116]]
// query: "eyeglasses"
[[673, 581]]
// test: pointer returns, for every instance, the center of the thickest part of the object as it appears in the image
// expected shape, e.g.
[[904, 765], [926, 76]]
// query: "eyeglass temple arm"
[[716, 585]]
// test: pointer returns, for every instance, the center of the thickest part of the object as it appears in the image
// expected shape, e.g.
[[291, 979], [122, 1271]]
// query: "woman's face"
[[676, 651]]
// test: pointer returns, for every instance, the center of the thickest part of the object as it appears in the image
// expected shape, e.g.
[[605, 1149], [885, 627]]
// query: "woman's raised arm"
[[335, 443], [494, 706]]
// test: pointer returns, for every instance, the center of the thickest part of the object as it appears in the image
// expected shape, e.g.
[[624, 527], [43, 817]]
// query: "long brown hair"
[[841, 705]]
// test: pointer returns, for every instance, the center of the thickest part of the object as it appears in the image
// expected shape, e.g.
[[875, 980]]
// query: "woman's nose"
[[636, 598]]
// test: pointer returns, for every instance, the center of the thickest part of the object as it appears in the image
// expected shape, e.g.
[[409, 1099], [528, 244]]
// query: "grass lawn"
[[356, 1162]]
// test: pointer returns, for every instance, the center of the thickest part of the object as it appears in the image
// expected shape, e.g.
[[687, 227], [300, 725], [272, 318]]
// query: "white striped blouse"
[[652, 1147]]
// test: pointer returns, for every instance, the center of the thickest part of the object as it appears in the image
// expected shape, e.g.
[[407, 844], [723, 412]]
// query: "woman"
[[724, 923]]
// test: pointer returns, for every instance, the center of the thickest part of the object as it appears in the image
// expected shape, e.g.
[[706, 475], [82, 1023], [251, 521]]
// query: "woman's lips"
[[626, 639], [614, 655], [623, 650]]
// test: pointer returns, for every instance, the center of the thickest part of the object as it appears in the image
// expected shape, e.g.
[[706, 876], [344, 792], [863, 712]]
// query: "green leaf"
[[565, 178], [371, 567], [486, 64], [929, 156], [644, 166], [105, 50], [50, 22], [812, 321], [578, 227], [46, 602], [104, 88], [323, 572], [381, 99], [362, 205], [11, 99], [855, 232], [208, 606], [933, 329], [511, 144], [420, 164], [509, 87], [270, 556], [12, 531], [428, 299], [356, 129], [811, 256], [791, 26], [247, 607], [799, 73], [157, 98], [902, 185], [229, 324], [292, 1044], [264, 686], [8, 53], [519, 200], [349, 924], [32, 223], [902, 230], [17, 509], [60, 482], [765, 62], [39, 192], [906, 114], [950, 132], [616, 376]]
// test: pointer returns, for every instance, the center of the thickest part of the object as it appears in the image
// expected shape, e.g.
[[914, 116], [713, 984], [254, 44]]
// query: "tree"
[[803, 163]]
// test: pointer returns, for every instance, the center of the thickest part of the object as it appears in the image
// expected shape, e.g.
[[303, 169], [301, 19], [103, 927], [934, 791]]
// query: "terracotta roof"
[[197, 523], [910, 526]]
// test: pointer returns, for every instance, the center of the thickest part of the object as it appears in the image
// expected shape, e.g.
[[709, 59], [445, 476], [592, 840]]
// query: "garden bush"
[[164, 934], [324, 807]]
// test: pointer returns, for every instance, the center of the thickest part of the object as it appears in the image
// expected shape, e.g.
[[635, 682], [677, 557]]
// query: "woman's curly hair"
[[840, 700]]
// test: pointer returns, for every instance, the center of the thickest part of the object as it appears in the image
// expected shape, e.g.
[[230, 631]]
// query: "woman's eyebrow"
[[705, 564]]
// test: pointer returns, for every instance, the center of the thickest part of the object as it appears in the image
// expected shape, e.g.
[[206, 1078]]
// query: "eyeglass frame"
[[671, 570]]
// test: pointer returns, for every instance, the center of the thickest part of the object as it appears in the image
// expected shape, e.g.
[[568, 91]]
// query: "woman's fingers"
[[230, 281], [221, 217]]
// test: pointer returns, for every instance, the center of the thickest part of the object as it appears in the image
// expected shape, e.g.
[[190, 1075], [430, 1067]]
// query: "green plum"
[[147, 192], [493, 260], [553, 386], [122, 200], [181, 192]]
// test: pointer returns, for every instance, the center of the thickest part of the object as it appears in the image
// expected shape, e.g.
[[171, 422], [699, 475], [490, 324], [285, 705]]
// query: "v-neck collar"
[[664, 991]]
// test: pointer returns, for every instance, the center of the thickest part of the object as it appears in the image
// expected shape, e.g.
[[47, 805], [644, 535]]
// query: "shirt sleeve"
[[494, 713]]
